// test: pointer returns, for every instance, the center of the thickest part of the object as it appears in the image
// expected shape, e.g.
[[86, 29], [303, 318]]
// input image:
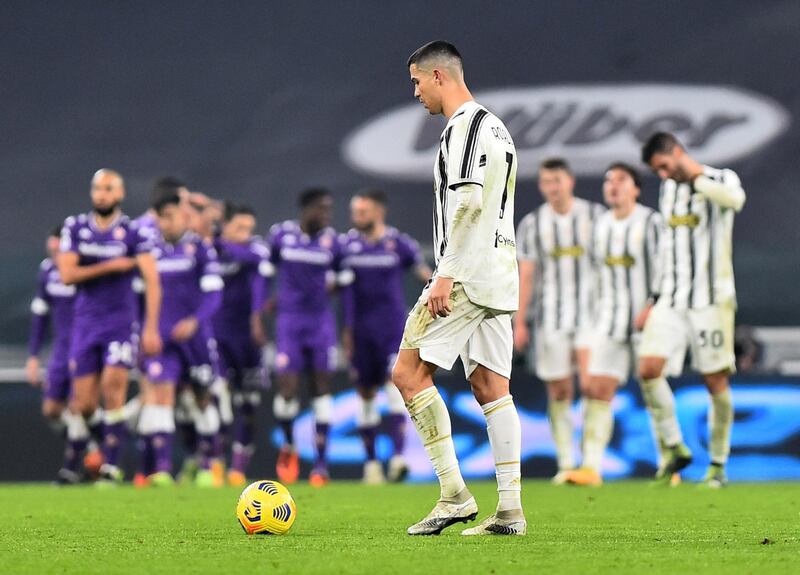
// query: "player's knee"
[[560, 390], [650, 368], [52, 410]]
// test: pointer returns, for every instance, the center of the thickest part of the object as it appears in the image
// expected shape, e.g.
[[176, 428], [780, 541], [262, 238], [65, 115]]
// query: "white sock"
[[368, 415], [720, 420], [285, 409], [432, 421], [207, 421], [323, 408], [113, 416], [77, 430], [156, 419], [661, 404], [505, 439], [561, 428], [598, 425]]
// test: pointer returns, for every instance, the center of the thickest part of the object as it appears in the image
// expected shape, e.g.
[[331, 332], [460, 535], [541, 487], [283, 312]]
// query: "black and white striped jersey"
[[625, 254], [561, 245]]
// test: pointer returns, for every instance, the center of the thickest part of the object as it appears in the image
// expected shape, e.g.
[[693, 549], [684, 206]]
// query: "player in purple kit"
[[54, 301], [306, 255], [191, 294], [98, 253], [245, 269], [374, 316]]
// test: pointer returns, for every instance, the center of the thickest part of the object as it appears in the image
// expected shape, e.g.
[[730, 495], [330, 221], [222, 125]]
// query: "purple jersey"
[[306, 267], [53, 300], [376, 294], [245, 270], [190, 281], [109, 298]]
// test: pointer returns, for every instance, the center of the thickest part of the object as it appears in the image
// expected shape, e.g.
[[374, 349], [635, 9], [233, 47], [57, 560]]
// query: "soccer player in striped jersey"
[[624, 252], [98, 253], [697, 301], [556, 276], [466, 310], [374, 315]]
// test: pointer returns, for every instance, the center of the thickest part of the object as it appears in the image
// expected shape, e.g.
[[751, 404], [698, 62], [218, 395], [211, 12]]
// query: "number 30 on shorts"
[[120, 352], [713, 337]]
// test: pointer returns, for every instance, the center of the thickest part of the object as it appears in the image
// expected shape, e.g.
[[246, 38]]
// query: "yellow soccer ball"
[[266, 508]]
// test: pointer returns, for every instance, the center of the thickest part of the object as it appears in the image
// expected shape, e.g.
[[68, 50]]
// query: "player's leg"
[[85, 365], [487, 363], [161, 413], [368, 371], [286, 403], [554, 365], [246, 403], [713, 355], [665, 335], [320, 342], [396, 419], [428, 343], [113, 388]]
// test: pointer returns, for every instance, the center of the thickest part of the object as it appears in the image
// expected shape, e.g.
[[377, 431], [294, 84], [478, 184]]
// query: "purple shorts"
[[59, 382], [374, 354], [95, 346], [193, 361], [240, 362], [305, 342]]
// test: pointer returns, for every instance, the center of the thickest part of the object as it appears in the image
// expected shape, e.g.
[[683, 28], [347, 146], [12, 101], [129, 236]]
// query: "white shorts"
[[619, 359], [707, 332], [554, 353], [479, 335]]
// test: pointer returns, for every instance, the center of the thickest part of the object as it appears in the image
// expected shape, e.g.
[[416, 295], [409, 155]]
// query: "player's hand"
[[522, 336], [184, 329], [32, 371], [439, 297], [641, 319], [347, 343], [151, 341], [121, 265], [257, 330]]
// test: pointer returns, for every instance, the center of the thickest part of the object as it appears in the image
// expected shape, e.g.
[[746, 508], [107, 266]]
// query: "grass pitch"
[[348, 528]]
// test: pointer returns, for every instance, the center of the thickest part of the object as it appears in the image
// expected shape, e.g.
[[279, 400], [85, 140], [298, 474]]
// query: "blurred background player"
[[191, 293], [374, 315], [98, 253], [245, 269], [556, 275], [697, 301], [306, 255], [55, 300], [625, 251]]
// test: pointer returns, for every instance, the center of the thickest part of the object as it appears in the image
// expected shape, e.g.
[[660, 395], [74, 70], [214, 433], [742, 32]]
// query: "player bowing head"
[[173, 218], [239, 223], [436, 72]]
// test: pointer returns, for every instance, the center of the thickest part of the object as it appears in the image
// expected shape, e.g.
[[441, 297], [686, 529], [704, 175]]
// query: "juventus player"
[[698, 298], [555, 266], [467, 308], [625, 248]]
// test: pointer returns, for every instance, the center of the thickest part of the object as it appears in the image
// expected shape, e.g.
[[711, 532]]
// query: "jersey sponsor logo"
[[111, 250], [501, 240], [371, 261], [689, 221], [58, 289], [172, 265], [592, 125], [625, 261], [567, 252], [306, 256]]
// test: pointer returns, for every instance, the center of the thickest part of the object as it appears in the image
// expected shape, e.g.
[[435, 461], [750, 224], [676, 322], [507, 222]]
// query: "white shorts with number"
[[554, 353], [707, 332], [619, 359], [479, 335]]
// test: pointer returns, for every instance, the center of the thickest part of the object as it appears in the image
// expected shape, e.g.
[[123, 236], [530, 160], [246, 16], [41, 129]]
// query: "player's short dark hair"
[[658, 143], [434, 49], [233, 209], [555, 163], [630, 170], [374, 194], [311, 196], [166, 198], [165, 186], [55, 232]]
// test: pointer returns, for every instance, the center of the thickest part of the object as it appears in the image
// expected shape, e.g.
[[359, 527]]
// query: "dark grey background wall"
[[253, 100]]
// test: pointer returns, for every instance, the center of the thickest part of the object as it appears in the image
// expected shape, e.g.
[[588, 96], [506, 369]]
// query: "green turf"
[[347, 528]]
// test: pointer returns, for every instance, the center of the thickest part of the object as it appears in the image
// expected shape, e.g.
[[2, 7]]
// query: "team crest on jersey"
[[84, 233], [119, 234], [155, 369]]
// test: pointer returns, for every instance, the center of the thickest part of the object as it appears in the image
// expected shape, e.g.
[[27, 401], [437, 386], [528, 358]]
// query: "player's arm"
[[151, 340], [211, 285], [527, 255], [73, 273], [40, 317], [726, 192], [652, 254]]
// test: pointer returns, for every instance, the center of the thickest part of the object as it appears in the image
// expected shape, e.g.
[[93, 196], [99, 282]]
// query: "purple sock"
[[114, 435], [321, 443], [368, 435], [243, 430], [241, 456], [287, 426], [206, 449], [144, 446], [73, 454], [397, 432], [162, 450]]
